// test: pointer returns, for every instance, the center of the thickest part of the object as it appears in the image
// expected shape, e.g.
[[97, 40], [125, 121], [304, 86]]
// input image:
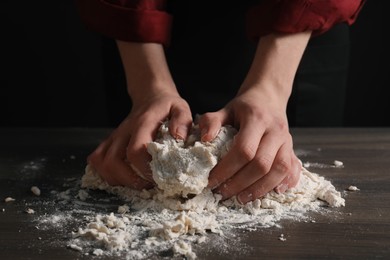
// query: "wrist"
[[266, 95], [274, 66], [150, 90], [146, 69]]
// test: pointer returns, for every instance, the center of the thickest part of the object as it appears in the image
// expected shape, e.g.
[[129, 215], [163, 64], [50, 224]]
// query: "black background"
[[54, 71]]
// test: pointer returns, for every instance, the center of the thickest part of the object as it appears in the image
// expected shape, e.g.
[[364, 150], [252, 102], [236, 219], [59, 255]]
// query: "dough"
[[182, 168]]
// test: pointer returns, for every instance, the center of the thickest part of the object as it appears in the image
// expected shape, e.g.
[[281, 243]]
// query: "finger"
[[256, 169], [210, 124], [292, 179], [137, 153], [108, 161], [96, 159], [112, 169], [118, 146], [99, 153], [242, 151], [281, 167], [180, 122], [123, 175]]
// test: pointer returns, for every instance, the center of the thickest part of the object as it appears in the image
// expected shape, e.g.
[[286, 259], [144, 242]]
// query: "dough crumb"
[[9, 199], [123, 209], [30, 211], [183, 249], [83, 195], [201, 239], [35, 190], [97, 252], [353, 188], [282, 238], [338, 164], [75, 247], [306, 164]]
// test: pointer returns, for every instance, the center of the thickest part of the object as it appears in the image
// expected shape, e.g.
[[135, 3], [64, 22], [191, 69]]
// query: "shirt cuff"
[[124, 23], [293, 16]]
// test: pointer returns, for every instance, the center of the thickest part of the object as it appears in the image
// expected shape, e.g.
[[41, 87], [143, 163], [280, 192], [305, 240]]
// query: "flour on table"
[[181, 212]]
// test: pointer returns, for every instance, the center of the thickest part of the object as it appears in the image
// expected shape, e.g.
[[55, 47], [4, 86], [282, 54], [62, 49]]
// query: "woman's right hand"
[[122, 159]]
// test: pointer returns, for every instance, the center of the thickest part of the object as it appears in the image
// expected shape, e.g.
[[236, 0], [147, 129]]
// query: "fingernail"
[[281, 188], [181, 132], [212, 184], [244, 197], [223, 190]]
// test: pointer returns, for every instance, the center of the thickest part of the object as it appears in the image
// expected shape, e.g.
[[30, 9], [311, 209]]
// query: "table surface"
[[50, 157]]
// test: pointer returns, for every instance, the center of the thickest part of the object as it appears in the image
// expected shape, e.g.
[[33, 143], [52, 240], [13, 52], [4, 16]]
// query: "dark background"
[[54, 72]]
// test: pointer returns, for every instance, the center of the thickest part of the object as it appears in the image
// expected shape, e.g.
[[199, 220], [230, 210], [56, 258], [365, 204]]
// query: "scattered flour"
[[335, 164], [180, 211], [151, 223]]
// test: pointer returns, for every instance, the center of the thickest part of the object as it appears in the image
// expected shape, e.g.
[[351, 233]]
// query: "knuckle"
[[281, 125], [263, 163], [282, 166], [207, 119], [246, 152]]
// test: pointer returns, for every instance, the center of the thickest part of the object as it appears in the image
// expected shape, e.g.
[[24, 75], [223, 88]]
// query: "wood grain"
[[360, 230]]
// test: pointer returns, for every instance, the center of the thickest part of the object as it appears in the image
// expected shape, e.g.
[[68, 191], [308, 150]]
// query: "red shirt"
[[148, 21]]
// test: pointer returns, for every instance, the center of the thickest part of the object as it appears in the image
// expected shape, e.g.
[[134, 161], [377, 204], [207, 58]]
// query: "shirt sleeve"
[[292, 16], [127, 20]]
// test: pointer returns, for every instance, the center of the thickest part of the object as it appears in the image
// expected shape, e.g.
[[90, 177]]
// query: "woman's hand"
[[122, 159], [261, 157]]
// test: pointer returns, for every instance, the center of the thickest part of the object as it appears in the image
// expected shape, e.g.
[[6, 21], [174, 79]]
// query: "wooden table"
[[360, 230]]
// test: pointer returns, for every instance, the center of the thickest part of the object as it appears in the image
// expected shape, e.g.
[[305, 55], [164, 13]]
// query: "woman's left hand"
[[261, 157]]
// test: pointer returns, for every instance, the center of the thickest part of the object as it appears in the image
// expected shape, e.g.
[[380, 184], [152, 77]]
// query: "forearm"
[[146, 70], [275, 63]]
